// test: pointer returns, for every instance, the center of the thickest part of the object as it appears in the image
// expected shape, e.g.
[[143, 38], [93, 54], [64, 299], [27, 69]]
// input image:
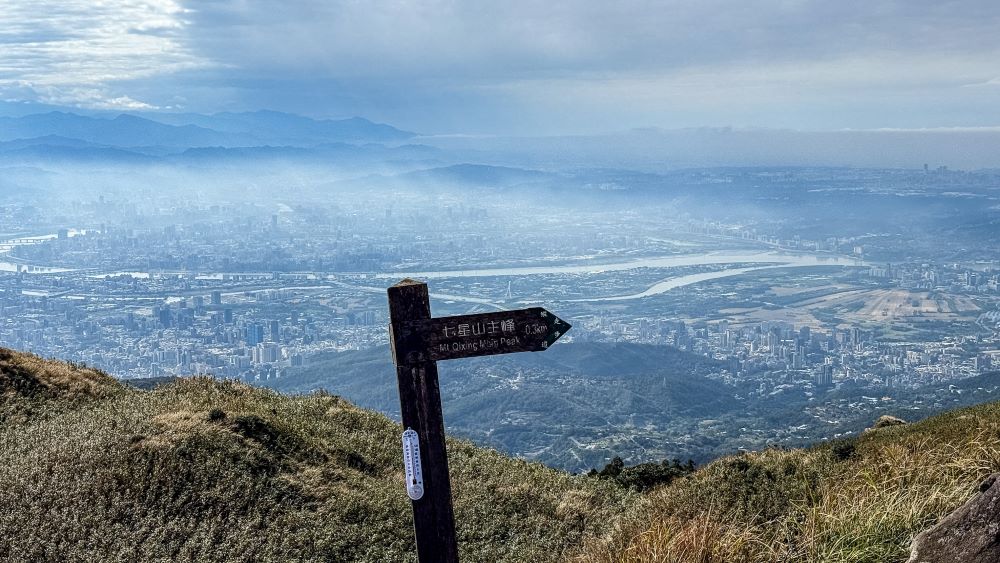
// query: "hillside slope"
[[206, 470], [199, 469], [861, 500]]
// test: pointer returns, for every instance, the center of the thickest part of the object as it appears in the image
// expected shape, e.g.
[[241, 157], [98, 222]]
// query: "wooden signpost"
[[418, 342]]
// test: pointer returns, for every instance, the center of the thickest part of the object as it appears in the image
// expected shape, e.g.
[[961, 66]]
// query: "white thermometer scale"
[[411, 461]]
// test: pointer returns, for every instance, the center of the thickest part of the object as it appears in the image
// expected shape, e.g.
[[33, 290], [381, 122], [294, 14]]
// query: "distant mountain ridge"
[[46, 141], [122, 131], [223, 139], [193, 130], [286, 128], [478, 175], [650, 149]]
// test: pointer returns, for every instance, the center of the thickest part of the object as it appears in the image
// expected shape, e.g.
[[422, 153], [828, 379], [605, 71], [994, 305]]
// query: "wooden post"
[[420, 407], [418, 342]]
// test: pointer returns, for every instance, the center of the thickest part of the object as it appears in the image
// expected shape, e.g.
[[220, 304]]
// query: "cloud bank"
[[526, 67], [77, 52]]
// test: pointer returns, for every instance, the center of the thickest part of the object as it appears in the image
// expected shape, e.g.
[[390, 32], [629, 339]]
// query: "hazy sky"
[[518, 66]]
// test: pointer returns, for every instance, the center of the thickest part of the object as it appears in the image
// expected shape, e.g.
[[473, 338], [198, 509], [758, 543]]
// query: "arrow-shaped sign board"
[[418, 343], [465, 336]]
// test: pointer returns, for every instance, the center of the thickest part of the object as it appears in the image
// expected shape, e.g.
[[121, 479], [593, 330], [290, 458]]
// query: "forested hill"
[[558, 407]]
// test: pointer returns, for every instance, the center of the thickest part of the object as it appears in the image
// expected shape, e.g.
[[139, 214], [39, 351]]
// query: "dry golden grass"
[[817, 505], [204, 470], [27, 375], [30, 385]]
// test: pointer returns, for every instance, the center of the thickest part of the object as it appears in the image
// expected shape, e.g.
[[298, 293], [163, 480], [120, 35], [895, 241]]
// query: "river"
[[10, 244], [785, 259], [765, 259]]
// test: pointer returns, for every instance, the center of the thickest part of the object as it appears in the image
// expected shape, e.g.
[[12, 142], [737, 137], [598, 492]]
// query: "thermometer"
[[411, 461]]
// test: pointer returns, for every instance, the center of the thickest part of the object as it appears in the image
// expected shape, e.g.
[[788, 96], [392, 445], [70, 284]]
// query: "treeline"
[[644, 476]]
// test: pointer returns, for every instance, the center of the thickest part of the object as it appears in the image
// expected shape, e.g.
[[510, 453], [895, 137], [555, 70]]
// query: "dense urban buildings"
[[779, 304]]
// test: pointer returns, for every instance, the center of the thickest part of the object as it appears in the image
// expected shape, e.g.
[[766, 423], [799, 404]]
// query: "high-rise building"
[[184, 318], [266, 353], [796, 360], [255, 334], [216, 298], [163, 316], [824, 377]]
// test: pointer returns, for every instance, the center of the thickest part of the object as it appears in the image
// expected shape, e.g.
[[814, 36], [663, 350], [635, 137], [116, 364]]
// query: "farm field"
[[856, 306]]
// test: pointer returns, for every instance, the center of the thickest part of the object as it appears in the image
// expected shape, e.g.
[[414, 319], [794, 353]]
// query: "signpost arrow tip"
[[557, 327]]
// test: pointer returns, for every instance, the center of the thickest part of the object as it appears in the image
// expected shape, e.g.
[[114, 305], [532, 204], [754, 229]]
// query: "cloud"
[[525, 39], [991, 82], [78, 52], [441, 66], [588, 63]]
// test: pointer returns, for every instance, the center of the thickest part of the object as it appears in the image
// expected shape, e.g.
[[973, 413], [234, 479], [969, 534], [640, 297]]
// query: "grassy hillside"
[[91, 470], [198, 469], [847, 501]]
